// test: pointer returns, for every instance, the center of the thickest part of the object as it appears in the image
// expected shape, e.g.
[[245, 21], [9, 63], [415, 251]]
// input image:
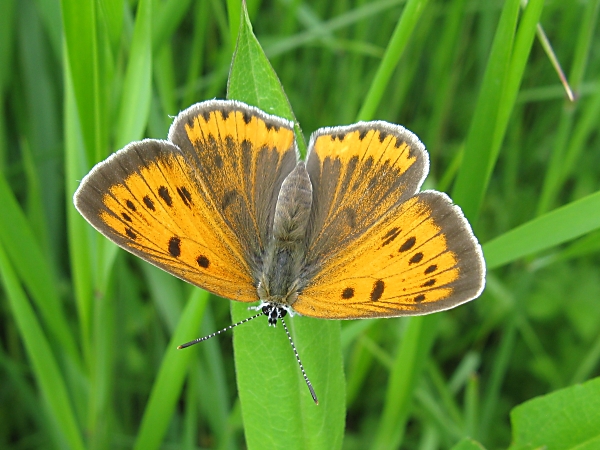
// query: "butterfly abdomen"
[[286, 251]]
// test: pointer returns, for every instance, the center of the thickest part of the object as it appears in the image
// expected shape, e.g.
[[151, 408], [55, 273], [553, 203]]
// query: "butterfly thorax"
[[278, 281]]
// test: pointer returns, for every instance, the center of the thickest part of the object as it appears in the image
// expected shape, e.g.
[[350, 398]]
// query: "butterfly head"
[[274, 312]]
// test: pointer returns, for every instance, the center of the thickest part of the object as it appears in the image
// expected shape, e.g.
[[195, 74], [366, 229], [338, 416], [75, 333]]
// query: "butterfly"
[[227, 204]]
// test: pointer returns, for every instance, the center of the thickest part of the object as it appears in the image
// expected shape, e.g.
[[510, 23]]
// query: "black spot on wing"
[[432, 268], [377, 292], [185, 195], [417, 257], [130, 205], [419, 298], [175, 246], [149, 203], [163, 193], [130, 234], [408, 244], [390, 236], [348, 293], [126, 217], [203, 261]]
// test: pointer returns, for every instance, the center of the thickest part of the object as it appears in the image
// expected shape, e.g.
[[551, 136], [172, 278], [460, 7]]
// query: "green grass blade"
[[408, 364], [499, 367], [45, 368], [79, 232], [168, 17], [564, 152], [81, 45], [197, 54], [320, 30], [42, 136], [85, 139], [560, 225], [33, 268], [468, 444], [112, 13], [585, 41], [406, 25], [513, 77], [135, 101], [171, 375], [7, 38], [478, 155]]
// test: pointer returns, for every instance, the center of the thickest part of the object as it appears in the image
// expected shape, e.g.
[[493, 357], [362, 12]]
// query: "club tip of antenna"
[[312, 393]]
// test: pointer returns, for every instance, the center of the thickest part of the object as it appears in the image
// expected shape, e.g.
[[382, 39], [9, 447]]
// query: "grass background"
[[88, 333]]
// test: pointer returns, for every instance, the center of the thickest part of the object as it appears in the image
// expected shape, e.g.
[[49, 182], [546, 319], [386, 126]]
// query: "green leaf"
[[277, 409], [252, 79], [565, 419]]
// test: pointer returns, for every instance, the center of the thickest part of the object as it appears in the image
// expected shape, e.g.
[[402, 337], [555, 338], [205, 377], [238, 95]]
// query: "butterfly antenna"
[[195, 341], [308, 383]]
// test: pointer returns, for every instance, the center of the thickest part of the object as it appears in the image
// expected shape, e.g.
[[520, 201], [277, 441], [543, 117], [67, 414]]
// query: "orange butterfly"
[[227, 205]]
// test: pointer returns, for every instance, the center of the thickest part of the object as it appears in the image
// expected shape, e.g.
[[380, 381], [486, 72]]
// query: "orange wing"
[[378, 249], [193, 205]]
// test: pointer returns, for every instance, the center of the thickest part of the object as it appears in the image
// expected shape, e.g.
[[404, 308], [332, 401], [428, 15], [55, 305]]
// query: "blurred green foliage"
[[88, 333]]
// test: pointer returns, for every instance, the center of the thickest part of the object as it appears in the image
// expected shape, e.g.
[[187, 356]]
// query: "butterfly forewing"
[[377, 249], [193, 206], [359, 173], [241, 157]]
